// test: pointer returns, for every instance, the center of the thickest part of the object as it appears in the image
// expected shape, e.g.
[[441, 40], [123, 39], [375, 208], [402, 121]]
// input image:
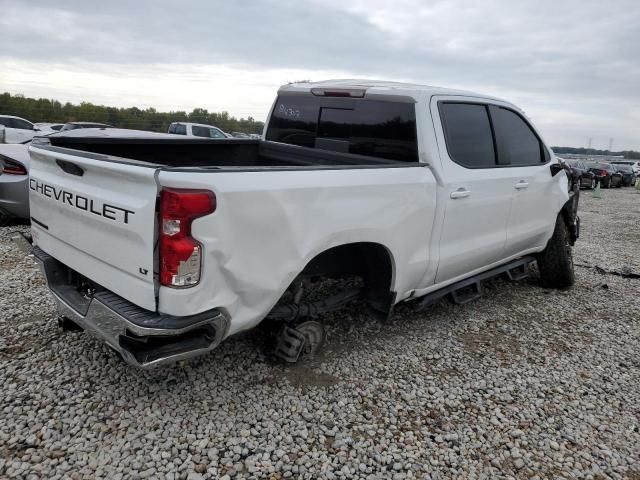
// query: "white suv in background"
[[15, 129], [196, 130]]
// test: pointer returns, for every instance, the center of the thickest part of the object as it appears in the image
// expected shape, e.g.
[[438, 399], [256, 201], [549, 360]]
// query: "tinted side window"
[[215, 133], [517, 144], [467, 132], [4, 122], [200, 131], [373, 128], [179, 129], [21, 124]]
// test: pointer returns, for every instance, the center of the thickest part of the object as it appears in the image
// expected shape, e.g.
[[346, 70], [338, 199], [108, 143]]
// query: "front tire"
[[555, 262]]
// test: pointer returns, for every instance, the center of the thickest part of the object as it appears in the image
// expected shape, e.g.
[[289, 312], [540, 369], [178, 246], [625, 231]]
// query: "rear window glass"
[[373, 128]]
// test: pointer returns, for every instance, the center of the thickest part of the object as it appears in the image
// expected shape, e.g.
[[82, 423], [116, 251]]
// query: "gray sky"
[[573, 66]]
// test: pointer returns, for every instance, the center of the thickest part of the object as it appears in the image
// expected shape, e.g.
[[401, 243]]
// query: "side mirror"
[[556, 168]]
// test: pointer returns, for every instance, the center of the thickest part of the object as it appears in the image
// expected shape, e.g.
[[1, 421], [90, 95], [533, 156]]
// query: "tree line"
[[630, 154], [46, 110]]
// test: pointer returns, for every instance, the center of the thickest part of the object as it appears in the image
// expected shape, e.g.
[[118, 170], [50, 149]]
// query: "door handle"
[[460, 193], [521, 184]]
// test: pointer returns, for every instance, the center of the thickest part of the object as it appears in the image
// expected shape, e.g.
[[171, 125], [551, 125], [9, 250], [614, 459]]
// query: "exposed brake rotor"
[[300, 340]]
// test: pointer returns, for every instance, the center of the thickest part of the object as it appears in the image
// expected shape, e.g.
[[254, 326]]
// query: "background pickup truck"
[[164, 246]]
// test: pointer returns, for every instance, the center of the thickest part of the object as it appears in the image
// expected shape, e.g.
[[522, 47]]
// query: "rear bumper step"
[[143, 338]]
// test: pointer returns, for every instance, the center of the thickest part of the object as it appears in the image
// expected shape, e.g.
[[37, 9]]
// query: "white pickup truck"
[[164, 246]]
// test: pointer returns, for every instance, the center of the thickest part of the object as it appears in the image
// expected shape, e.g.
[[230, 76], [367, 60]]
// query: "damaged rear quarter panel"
[[269, 224]]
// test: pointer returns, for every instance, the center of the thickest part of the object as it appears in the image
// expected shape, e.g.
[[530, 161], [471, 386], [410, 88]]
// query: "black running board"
[[470, 289]]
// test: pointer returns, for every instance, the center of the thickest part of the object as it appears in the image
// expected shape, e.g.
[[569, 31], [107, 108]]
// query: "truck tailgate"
[[98, 217]]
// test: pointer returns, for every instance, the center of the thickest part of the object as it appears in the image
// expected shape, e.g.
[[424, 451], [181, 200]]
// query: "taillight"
[[603, 173], [13, 168], [180, 253]]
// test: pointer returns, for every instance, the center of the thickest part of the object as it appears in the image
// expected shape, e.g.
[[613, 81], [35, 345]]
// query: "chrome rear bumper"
[[143, 338]]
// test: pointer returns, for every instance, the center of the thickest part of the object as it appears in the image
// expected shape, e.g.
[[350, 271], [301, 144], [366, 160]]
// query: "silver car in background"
[[14, 182]]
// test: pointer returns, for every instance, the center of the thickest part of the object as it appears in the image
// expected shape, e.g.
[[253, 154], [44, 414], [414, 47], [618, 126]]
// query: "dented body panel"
[[269, 225]]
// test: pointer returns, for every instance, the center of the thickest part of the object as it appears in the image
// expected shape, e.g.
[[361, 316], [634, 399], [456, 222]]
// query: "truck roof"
[[382, 87]]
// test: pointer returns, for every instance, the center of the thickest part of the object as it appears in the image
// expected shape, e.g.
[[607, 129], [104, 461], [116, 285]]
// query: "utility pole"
[[611, 144], [590, 142]]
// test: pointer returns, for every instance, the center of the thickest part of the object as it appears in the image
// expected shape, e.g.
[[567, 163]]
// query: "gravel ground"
[[523, 383]]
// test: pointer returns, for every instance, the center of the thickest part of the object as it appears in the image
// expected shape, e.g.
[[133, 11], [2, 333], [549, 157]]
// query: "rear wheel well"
[[369, 261]]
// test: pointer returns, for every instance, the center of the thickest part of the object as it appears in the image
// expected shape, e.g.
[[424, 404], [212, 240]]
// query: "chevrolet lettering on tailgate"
[[105, 210]]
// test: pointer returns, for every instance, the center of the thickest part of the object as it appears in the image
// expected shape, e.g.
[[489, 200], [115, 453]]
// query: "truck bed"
[[215, 153]]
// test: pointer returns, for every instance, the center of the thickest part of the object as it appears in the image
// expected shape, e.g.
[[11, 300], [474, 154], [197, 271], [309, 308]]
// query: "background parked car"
[[239, 135], [635, 165], [15, 129], [606, 174], [77, 125], [14, 188], [196, 130], [580, 171], [628, 175], [49, 127]]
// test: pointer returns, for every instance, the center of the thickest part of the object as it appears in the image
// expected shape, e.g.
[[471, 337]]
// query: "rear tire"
[[555, 262]]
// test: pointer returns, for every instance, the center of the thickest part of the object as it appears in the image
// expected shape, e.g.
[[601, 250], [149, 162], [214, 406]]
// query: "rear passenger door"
[[533, 210], [476, 192]]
